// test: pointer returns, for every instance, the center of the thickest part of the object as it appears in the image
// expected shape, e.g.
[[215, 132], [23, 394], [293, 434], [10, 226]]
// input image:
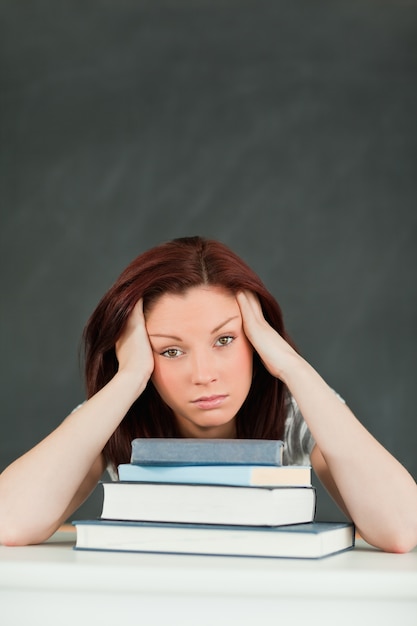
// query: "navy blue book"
[[307, 541], [189, 451]]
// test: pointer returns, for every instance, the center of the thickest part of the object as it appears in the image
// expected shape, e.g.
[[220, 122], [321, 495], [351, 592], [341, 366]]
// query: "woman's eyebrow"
[[163, 336], [229, 319]]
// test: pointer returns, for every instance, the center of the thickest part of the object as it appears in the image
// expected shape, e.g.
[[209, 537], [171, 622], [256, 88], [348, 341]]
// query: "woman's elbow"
[[398, 539], [401, 543], [15, 534], [9, 537], [404, 535]]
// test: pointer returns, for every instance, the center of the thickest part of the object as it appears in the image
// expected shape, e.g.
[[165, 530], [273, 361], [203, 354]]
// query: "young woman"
[[189, 343]]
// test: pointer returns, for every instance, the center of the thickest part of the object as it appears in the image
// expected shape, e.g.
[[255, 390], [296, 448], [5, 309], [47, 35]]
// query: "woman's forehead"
[[199, 305]]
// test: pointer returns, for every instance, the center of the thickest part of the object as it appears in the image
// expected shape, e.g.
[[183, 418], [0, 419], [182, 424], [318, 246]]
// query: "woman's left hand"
[[274, 351]]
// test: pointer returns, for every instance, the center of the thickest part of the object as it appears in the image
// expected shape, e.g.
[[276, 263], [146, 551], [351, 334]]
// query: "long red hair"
[[175, 267]]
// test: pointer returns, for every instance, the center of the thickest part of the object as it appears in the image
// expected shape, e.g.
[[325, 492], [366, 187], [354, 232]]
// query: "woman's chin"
[[209, 428]]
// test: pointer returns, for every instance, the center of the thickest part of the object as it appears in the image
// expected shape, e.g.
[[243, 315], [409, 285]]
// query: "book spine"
[[204, 452]]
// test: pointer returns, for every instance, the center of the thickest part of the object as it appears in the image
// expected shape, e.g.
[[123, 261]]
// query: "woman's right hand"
[[133, 349]]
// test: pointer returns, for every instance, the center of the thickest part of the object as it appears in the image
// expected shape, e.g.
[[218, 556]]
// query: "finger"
[[137, 312], [134, 320], [249, 305], [244, 299]]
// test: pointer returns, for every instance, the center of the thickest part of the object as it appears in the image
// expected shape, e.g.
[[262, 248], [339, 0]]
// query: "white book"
[[208, 504]]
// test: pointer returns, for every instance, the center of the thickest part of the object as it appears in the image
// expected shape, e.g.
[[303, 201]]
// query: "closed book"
[[240, 475], [189, 451], [208, 504], [309, 541]]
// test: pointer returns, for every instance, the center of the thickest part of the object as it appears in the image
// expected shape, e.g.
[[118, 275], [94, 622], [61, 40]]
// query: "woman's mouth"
[[209, 402]]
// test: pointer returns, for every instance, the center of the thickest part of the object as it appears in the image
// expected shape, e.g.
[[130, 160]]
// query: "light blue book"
[[235, 475]]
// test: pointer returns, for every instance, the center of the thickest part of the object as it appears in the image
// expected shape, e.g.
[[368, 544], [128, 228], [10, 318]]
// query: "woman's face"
[[203, 360]]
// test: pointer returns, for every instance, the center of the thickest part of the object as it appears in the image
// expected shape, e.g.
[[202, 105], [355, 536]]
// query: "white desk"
[[52, 584]]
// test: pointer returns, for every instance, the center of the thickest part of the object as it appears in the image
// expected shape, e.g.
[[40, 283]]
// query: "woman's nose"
[[203, 369]]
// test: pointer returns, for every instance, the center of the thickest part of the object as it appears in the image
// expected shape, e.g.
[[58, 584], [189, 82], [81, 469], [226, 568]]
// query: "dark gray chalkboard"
[[285, 129]]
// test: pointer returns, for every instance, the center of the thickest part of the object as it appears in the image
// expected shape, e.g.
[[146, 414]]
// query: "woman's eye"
[[224, 341], [171, 353]]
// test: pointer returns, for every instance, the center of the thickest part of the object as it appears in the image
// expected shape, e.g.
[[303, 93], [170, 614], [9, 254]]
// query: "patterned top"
[[298, 440]]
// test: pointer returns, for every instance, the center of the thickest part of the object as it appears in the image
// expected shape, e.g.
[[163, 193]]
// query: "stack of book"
[[217, 497]]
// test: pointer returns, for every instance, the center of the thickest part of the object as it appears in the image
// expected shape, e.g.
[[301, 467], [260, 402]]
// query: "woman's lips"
[[209, 402]]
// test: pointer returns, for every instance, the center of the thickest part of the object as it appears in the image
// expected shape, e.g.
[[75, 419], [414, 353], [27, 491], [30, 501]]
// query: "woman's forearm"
[[38, 489], [378, 492]]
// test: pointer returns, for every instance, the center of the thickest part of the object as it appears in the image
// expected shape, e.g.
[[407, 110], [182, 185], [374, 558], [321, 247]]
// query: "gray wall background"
[[285, 129]]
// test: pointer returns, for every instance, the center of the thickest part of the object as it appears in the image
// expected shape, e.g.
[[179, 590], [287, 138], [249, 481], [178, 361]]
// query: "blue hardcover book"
[[239, 475], [307, 541], [189, 451]]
